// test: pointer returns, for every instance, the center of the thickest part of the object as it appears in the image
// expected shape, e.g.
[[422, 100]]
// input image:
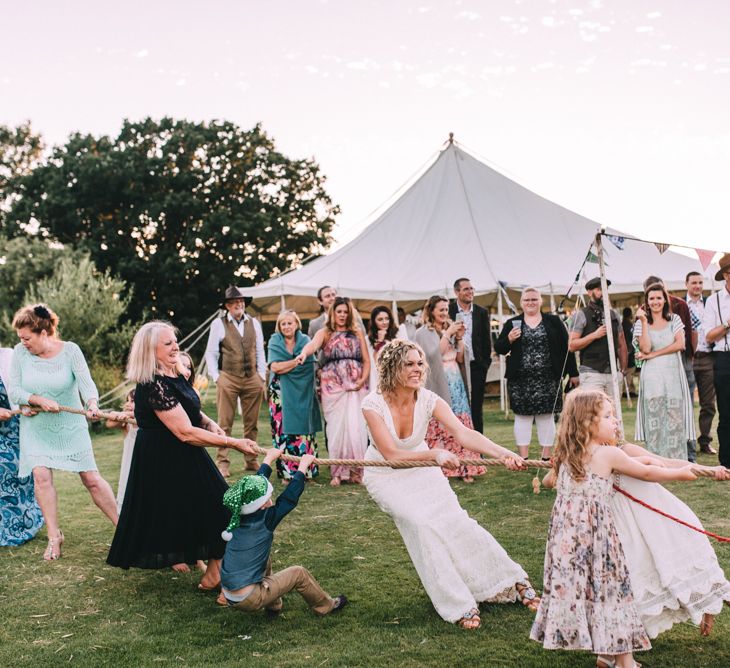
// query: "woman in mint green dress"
[[47, 372]]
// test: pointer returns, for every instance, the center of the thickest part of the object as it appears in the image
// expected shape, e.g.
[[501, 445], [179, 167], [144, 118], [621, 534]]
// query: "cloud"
[[469, 16], [142, 53]]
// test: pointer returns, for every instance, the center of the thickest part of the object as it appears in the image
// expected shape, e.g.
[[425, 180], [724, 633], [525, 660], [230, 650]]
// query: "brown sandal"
[[471, 620], [527, 595]]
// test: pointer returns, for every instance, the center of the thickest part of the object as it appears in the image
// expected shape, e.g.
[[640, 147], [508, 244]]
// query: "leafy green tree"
[[21, 150], [179, 210], [23, 262], [91, 307]]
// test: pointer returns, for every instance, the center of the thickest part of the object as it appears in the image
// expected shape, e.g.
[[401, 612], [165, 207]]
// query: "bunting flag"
[[592, 257], [616, 240], [511, 306], [662, 248], [705, 257]]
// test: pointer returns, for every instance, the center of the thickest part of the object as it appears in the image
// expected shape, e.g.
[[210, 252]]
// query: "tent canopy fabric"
[[464, 218]]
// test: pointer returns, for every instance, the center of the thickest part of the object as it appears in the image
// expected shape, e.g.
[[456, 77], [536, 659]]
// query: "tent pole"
[[609, 335], [500, 318], [552, 299], [283, 303], [394, 311]]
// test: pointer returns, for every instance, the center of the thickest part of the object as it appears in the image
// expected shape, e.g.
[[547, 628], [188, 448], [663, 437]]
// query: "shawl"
[[300, 411], [429, 340]]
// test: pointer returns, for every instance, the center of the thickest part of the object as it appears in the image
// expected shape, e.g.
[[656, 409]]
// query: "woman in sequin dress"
[[536, 346]]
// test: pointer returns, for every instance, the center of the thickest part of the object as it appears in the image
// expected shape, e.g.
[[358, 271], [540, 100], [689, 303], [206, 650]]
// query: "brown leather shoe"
[[708, 450]]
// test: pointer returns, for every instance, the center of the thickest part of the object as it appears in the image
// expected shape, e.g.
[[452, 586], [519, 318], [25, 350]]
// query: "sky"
[[616, 110]]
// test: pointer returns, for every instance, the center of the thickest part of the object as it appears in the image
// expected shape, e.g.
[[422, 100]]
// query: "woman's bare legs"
[[101, 493], [45, 495]]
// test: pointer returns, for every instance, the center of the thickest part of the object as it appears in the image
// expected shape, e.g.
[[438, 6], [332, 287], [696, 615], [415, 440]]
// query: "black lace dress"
[[173, 506]]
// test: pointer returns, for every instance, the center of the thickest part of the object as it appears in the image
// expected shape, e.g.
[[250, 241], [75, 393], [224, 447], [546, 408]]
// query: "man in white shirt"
[[237, 363], [702, 362], [716, 327]]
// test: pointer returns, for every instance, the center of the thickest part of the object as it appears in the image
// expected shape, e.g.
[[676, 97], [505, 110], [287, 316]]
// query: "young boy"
[[246, 578]]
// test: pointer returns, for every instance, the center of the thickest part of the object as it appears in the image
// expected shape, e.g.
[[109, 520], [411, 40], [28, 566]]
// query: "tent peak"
[[451, 137]]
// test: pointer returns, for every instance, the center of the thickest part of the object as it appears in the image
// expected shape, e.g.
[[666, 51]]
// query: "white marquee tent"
[[464, 218]]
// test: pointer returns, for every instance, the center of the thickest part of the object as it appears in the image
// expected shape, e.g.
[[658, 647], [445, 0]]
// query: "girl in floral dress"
[[587, 602]]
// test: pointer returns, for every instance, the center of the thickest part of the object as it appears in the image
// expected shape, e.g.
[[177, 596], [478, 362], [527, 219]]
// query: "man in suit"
[[478, 342]]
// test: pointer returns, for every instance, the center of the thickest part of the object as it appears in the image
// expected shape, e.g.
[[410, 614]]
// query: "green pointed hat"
[[243, 498]]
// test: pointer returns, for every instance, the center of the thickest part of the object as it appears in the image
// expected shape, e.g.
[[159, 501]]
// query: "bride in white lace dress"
[[459, 563]]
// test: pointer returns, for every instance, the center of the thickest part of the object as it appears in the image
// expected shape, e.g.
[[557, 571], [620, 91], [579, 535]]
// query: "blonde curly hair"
[[581, 413], [392, 364]]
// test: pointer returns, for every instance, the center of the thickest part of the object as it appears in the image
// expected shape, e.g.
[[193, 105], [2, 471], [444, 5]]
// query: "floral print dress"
[[587, 602], [290, 444]]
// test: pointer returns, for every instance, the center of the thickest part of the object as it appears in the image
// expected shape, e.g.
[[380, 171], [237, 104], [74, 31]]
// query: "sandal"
[[527, 595], [605, 662], [708, 621], [53, 550], [471, 620]]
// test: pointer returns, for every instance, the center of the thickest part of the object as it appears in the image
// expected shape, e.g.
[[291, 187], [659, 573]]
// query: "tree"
[[20, 151], [23, 262], [179, 210], [91, 307]]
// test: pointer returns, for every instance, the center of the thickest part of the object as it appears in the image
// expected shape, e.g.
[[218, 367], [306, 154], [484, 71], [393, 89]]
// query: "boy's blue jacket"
[[247, 553]]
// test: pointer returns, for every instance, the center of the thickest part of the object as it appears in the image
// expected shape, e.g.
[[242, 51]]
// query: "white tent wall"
[[464, 218]]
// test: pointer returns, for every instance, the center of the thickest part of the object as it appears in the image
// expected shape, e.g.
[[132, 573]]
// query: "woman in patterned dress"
[[536, 345], [47, 372], [20, 516], [443, 343], [292, 405], [664, 412], [343, 380]]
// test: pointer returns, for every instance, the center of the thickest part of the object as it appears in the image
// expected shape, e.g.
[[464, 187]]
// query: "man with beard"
[[588, 335]]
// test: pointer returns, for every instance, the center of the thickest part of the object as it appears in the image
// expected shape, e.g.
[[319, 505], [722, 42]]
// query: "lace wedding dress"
[[459, 563]]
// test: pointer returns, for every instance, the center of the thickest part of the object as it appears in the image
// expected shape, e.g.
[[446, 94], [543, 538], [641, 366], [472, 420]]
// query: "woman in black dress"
[[173, 511], [537, 348]]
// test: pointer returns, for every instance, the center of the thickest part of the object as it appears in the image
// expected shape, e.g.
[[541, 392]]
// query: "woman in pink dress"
[[343, 381]]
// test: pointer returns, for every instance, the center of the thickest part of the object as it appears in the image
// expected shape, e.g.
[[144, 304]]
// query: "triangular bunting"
[[592, 257], [616, 241], [662, 248], [705, 257]]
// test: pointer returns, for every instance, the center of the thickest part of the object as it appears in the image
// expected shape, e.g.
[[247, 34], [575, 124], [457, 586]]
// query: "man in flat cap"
[[588, 335], [237, 363]]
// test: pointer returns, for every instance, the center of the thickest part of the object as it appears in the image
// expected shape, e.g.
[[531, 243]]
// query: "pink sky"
[[617, 110]]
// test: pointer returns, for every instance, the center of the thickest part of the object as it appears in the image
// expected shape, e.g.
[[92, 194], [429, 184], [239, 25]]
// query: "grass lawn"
[[80, 611]]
